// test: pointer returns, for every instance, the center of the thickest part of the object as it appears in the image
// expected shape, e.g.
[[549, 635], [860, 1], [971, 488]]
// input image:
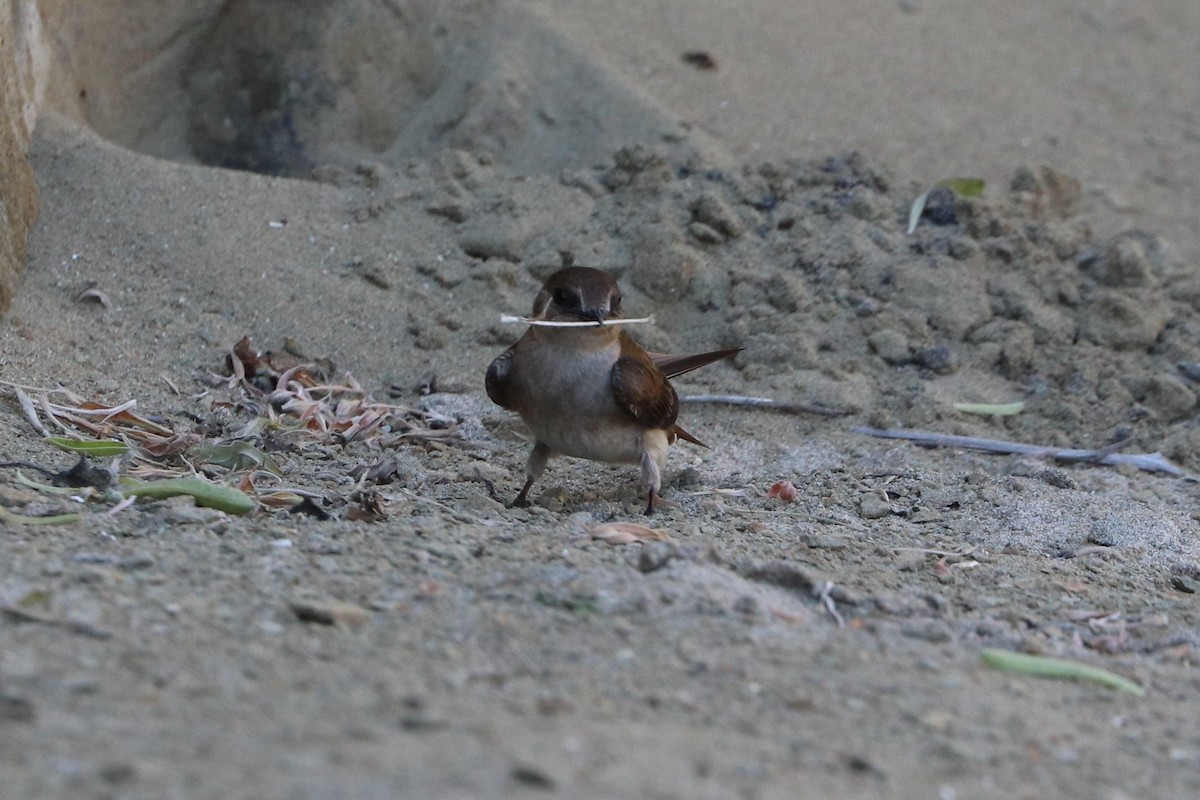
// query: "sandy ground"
[[828, 647]]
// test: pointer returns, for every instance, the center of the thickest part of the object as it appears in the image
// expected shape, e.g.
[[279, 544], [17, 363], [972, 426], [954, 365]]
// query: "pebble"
[[654, 556], [1169, 398], [872, 506], [712, 211], [890, 345], [1124, 322], [329, 612], [927, 630]]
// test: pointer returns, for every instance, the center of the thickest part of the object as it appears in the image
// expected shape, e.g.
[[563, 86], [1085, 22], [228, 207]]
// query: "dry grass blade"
[[29, 411]]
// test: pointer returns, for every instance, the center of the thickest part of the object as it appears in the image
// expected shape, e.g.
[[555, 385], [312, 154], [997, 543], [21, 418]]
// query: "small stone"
[[118, 772], [927, 630], [1169, 398], [872, 506], [532, 777], [704, 234], [1124, 264], [455, 212], [16, 709], [1190, 370], [663, 265], [939, 358], [1048, 194], [890, 345], [941, 206], [329, 612], [1179, 583], [1055, 477], [713, 212], [553, 499], [654, 556], [1124, 321]]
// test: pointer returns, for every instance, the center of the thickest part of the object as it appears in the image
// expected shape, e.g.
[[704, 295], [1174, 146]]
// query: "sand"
[[426, 641]]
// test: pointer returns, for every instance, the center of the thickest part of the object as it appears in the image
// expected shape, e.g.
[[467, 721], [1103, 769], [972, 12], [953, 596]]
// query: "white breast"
[[567, 401]]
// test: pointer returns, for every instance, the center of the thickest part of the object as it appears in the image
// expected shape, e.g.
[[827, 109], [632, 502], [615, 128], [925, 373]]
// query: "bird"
[[591, 392]]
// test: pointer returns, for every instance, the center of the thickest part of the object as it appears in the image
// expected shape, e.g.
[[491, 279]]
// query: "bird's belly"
[[571, 409], [595, 438]]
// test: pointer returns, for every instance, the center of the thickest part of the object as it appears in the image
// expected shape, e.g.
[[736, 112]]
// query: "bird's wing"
[[675, 365], [496, 381], [644, 391]]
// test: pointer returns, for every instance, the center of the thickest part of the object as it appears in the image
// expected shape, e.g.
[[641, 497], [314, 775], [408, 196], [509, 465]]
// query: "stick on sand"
[[1148, 462]]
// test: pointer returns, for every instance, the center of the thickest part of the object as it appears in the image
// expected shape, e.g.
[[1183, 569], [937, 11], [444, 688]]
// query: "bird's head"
[[576, 294]]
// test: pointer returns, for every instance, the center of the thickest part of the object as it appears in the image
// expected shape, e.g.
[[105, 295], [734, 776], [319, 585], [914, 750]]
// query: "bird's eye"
[[615, 304], [564, 298]]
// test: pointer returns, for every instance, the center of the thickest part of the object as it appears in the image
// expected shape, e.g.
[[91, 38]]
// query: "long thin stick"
[[1148, 462], [764, 402], [546, 323]]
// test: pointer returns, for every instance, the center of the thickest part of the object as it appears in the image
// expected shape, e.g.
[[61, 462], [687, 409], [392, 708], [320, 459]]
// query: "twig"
[[546, 323], [764, 402], [826, 595], [933, 552], [73, 626], [1148, 462]]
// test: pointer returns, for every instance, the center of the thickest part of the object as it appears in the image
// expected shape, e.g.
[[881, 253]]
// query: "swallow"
[[591, 392]]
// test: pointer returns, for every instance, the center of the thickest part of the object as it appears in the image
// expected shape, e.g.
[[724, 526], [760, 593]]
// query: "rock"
[[872, 506], [12, 707], [1047, 194], [890, 345], [713, 212], [663, 265], [654, 556], [1122, 321], [938, 358], [1169, 398], [329, 612], [1123, 264]]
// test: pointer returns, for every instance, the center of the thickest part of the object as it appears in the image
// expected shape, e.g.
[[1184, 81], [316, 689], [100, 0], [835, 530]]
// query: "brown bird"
[[591, 392]]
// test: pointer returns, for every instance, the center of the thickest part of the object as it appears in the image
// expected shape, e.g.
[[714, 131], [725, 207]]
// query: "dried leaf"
[[618, 533], [784, 490], [97, 295], [245, 359]]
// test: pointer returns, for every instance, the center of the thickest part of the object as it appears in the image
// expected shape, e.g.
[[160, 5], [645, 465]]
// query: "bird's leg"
[[651, 479], [534, 468], [650, 503]]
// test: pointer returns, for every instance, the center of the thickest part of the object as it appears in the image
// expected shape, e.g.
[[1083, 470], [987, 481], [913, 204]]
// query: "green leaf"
[[964, 187], [209, 495], [98, 448], [45, 487], [20, 519], [1044, 667], [992, 409], [235, 456]]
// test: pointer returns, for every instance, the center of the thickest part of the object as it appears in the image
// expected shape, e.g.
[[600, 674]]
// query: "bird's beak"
[[596, 314]]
